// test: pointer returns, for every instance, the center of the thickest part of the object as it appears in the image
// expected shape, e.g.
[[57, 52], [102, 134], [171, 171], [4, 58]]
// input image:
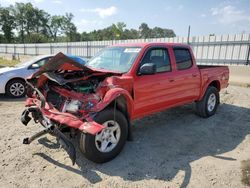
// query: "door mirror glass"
[[147, 69]]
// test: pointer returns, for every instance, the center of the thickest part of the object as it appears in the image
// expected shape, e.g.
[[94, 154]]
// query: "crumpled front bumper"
[[87, 126], [52, 120]]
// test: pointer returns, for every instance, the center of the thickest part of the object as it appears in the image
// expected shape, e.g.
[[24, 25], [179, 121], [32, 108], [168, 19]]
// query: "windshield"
[[118, 59]]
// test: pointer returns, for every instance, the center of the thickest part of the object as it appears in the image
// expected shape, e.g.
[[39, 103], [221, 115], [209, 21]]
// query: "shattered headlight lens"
[[72, 106]]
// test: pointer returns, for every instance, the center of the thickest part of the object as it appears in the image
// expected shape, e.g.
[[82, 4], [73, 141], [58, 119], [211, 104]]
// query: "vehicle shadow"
[[167, 142], [5, 98]]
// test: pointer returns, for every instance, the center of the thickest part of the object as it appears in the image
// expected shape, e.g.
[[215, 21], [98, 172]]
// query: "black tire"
[[87, 142], [202, 107], [19, 83]]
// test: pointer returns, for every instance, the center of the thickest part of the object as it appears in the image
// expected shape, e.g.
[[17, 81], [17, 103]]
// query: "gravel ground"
[[174, 148]]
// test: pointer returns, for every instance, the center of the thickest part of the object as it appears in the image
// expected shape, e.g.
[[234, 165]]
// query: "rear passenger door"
[[187, 77]]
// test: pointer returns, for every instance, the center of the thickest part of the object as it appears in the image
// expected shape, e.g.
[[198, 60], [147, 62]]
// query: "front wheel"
[[209, 103], [108, 143]]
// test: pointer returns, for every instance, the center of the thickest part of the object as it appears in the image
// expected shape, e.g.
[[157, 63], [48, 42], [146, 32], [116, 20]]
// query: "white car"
[[12, 79]]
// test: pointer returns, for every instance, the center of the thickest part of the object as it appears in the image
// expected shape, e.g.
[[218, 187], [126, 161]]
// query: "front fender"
[[111, 95]]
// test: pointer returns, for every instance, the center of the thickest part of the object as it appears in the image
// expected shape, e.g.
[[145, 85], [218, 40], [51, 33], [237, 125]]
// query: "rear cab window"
[[183, 58]]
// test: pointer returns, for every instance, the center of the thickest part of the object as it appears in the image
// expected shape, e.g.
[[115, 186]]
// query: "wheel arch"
[[215, 83], [119, 96], [121, 104], [121, 100]]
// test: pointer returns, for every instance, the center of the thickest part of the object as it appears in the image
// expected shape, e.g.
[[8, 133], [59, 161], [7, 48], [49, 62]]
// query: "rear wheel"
[[16, 88], [209, 103], [108, 143]]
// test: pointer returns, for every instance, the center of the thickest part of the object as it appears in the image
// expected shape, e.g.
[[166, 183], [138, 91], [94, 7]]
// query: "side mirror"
[[147, 69], [34, 66]]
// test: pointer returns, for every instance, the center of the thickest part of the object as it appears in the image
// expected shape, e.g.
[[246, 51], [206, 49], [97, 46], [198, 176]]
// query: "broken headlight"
[[72, 106]]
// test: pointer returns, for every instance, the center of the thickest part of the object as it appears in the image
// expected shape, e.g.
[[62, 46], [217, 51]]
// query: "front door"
[[154, 92]]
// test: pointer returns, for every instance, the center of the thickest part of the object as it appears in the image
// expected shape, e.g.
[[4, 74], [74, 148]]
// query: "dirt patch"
[[174, 148], [246, 172]]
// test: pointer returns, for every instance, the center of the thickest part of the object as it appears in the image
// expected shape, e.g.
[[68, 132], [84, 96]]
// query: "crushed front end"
[[64, 94]]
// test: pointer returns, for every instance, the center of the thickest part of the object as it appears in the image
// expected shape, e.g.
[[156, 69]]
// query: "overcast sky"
[[205, 17]]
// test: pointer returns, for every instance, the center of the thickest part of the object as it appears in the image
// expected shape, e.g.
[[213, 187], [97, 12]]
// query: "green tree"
[[7, 22], [145, 31], [69, 28], [36, 38], [2, 40], [19, 14], [31, 22], [120, 29], [130, 34], [85, 36], [41, 19], [55, 26]]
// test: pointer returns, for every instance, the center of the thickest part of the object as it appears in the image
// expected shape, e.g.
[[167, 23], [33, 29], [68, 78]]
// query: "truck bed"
[[220, 73]]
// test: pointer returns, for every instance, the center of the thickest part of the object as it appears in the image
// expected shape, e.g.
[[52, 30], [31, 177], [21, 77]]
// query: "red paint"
[[144, 94]]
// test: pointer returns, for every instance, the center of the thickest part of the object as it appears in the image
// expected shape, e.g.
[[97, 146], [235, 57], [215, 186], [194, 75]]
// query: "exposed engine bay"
[[64, 103], [82, 97]]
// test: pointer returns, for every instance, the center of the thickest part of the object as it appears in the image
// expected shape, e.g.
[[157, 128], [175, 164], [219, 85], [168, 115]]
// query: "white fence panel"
[[221, 49]]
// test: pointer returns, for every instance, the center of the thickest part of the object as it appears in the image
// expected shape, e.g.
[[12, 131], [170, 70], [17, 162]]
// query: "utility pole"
[[188, 35]]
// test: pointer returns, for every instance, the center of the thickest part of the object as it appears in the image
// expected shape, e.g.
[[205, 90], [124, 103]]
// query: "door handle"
[[171, 79], [194, 75]]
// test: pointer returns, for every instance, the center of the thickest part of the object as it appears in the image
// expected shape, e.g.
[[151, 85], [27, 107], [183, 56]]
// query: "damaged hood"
[[63, 62]]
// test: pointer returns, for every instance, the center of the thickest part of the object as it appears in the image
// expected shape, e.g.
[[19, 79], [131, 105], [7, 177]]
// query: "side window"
[[160, 57], [183, 59], [42, 62]]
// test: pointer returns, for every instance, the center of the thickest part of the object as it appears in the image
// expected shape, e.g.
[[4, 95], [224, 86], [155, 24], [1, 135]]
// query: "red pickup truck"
[[97, 101]]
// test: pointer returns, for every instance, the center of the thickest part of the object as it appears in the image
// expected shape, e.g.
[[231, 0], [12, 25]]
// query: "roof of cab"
[[148, 44]]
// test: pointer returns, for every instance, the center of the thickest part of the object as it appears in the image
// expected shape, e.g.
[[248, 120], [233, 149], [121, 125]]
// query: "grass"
[[245, 168], [7, 63]]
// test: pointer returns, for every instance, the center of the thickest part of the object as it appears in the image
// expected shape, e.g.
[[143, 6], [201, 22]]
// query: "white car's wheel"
[[16, 88]]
